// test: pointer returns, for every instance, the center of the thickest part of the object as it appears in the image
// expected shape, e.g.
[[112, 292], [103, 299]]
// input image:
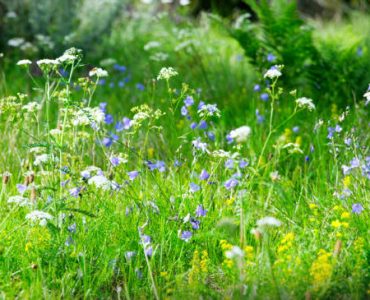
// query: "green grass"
[[321, 248]]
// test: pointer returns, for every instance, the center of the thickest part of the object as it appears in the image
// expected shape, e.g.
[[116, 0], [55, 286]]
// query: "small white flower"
[[47, 62], [23, 62], [305, 103], [275, 176], [184, 2], [11, 15], [68, 58], [41, 159], [31, 107], [268, 221], [235, 252], [151, 45], [98, 72], [100, 181], [166, 73], [273, 72], [16, 42], [40, 216], [21, 201], [240, 134], [55, 131], [367, 96]]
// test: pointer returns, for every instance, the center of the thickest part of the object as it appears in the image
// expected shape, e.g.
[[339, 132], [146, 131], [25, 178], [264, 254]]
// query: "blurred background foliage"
[[324, 45]]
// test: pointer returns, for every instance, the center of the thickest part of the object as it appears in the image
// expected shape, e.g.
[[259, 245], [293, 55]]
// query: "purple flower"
[[198, 144], [75, 192], [243, 164], [119, 126], [115, 161], [119, 68], [194, 224], [270, 57], [72, 228], [200, 211], [260, 118], [177, 163], [102, 81], [193, 125], [160, 165], [229, 139], [202, 125], [194, 187], [357, 208], [257, 88], [132, 174], [148, 250], [211, 135], [184, 111], [355, 163], [108, 119], [264, 96], [295, 129], [338, 128], [204, 175], [107, 141], [121, 84], [229, 164], [231, 183], [348, 141], [129, 255], [146, 239], [189, 101], [103, 106], [21, 188], [140, 86], [346, 170], [186, 235], [127, 123], [200, 105]]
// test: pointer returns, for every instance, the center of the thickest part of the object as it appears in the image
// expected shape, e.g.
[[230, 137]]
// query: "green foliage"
[[325, 70]]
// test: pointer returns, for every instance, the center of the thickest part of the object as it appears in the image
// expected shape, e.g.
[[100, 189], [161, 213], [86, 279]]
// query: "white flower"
[[87, 116], [21, 201], [240, 134], [268, 221], [273, 72], [55, 131], [31, 107], [184, 2], [100, 181], [11, 15], [68, 58], [98, 72], [16, 42], [151, 45], [275, 176], [235, 252], [367, 96], [47, 62], [305, 103], [23, 62], [41, 159], [166, 73], [198, 144], [40, 216], [220, 153]]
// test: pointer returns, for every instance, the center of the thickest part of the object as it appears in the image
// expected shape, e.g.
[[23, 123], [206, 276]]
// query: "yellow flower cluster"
[[38, 238], [199, 267], [225, 246], [286, 242], [321, 269]]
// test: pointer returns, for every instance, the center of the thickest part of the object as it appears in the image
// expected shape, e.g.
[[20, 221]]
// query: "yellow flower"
[[150, 152], [336, 224], [230, 201], [346, 181], [345, 224], [312, 206], [345, 215], [321, 269], [225, 245], [298, 140]]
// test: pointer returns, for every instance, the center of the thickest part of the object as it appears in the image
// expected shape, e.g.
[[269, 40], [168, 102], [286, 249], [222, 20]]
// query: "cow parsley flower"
[[47, 62], [98, 72], [39, 216], [305, 103], [100, 181], [21, 201], [273, 72], [166, 73], [24, 62]]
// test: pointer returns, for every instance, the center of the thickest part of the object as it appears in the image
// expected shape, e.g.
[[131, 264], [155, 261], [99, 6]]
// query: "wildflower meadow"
[[166, 150]]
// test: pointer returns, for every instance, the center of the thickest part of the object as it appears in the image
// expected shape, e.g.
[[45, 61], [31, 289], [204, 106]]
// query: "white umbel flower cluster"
[[241, 134], [98, 72], [305, 103], [367, 96], [31, 107], [39, 216], [87, 116], [273, 72], [166, 73], [268, 222], [21, 201], [24, 62]]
